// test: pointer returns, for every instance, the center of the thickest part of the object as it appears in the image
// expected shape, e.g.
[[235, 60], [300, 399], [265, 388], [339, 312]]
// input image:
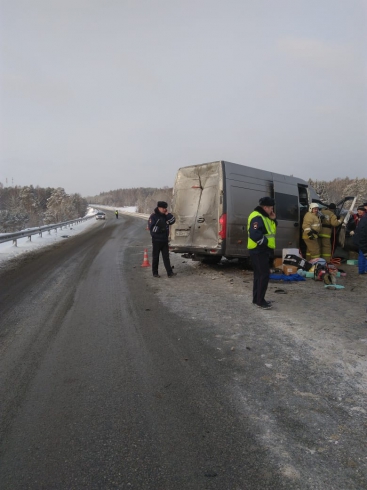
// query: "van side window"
[[244, 200], [286, 207]]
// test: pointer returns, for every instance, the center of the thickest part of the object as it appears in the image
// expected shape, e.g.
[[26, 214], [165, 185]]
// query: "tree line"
[[335, 190], [28, 207]]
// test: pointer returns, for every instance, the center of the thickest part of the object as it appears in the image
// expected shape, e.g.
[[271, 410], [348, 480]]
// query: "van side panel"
[[244, 187], [197, 204]]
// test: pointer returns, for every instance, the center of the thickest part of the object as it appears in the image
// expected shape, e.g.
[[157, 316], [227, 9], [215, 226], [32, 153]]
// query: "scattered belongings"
[[289, 269], [278, 263], [290, 251], [291, 262], [293, 267], [286, 278], [352, 262], [297, 262]]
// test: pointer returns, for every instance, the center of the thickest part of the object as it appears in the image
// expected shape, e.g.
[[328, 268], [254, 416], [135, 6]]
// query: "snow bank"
[[9, 251]]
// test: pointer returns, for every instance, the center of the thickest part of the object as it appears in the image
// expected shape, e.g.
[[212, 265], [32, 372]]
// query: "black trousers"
[[260, 264], [160, 247]]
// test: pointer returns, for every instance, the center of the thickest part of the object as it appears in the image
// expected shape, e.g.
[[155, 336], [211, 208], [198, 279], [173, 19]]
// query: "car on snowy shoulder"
[[100, 215]]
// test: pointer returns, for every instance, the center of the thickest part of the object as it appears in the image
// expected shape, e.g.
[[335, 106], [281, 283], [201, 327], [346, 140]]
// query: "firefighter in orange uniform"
[[311, 227]]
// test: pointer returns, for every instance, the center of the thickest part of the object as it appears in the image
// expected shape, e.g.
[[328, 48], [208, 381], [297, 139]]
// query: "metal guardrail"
[[38, 231]]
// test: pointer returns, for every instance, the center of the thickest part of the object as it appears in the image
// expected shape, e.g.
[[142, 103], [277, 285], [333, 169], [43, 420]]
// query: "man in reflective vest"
[[261, 228]]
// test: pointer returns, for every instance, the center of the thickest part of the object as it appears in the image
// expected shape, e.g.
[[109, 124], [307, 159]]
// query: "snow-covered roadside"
[[9, 251]]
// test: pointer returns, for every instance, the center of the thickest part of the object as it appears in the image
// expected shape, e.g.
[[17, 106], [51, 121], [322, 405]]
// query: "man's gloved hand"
[[351, 233]]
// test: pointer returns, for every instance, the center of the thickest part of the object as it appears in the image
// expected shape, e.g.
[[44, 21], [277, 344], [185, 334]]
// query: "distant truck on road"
[[212, 201]]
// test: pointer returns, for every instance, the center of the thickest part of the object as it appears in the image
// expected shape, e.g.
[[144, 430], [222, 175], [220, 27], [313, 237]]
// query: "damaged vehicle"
[[212, 202]]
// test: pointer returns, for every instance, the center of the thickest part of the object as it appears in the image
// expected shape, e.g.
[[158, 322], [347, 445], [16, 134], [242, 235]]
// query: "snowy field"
[[9, 251]]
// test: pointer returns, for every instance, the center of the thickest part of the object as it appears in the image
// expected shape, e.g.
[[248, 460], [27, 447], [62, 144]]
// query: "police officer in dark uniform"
[[261, 229], [362, 244], [359, 239], [159, 223]]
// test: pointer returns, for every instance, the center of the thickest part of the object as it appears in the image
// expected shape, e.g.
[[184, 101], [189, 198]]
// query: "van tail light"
[[223, 226]]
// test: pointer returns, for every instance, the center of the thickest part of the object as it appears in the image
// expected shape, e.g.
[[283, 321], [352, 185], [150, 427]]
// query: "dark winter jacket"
[[361, 232], [257, 232], [159, 225]]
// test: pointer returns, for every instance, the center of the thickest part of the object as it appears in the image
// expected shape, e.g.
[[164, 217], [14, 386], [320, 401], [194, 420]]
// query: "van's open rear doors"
[[287, 198], [196, 205], [346, 209]]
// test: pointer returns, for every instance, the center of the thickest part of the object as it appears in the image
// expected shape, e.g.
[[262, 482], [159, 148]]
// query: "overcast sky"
[[105, 94]]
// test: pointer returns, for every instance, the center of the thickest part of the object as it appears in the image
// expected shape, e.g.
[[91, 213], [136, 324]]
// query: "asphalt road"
[[104, 386]]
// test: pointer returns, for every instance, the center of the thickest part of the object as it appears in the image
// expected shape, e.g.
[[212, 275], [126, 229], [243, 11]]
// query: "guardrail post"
[[15, 242]]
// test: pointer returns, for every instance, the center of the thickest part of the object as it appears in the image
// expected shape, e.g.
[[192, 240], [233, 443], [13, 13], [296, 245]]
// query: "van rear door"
[[196, 207]]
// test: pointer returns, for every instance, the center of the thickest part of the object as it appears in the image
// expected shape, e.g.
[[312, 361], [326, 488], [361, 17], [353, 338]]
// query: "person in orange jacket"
[[311, 227]]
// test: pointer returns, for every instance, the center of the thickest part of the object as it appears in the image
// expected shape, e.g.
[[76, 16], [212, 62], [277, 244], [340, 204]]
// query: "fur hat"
[[267, 201], [361, 208], [332, 206], [162, 204]]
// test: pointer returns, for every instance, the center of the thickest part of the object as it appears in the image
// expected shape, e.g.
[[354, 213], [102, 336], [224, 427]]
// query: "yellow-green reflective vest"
[[270, 228]]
